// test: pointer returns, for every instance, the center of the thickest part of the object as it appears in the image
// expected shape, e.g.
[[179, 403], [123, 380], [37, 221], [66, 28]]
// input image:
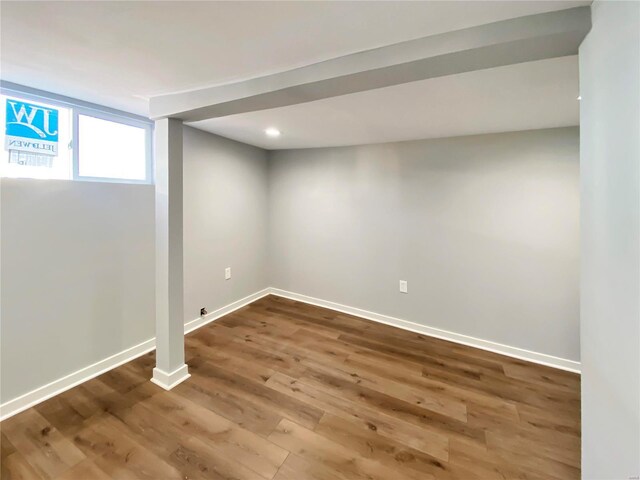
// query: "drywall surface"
[[485, 229], [225, 221], [78, 259], [610, 214], [77, 277]]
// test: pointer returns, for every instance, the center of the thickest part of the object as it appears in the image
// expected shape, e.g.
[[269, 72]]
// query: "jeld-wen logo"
[[31, 128]]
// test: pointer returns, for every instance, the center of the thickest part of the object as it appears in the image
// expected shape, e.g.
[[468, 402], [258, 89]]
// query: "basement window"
[[110, 149], [50, 137]]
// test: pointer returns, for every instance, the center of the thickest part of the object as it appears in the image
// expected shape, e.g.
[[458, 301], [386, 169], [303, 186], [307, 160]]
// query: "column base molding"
[[170, 380]]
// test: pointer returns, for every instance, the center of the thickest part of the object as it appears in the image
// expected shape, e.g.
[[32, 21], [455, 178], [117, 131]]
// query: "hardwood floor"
[[287, 391]]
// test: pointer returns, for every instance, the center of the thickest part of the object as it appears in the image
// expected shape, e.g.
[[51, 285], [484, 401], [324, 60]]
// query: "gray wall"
[[484, 228], [78, 259], [225, 221], [610, 211], [77, 277]]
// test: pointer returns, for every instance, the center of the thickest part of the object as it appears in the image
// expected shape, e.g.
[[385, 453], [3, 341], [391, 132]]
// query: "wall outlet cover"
[[403, 286], [227, 273]]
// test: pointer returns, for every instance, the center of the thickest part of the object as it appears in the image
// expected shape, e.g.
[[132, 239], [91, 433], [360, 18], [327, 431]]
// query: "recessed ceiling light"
[[272, 132]]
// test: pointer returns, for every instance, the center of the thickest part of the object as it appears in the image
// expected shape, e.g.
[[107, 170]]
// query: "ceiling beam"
[[524, 39]]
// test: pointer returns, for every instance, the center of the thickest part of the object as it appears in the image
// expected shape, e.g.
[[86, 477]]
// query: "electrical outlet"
[[404, 286], [203, 311], [227, 273]]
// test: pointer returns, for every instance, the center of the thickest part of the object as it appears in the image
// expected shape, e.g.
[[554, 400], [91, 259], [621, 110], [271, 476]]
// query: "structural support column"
[[170, 367]]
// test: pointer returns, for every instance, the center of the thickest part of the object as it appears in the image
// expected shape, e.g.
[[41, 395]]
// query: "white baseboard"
[[221, 312], [535, 357], [170, 380], [56, 387], [40, 394]]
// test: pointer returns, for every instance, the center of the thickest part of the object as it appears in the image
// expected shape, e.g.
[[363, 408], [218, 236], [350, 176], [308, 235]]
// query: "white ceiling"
[[526, 96], [120, 53]]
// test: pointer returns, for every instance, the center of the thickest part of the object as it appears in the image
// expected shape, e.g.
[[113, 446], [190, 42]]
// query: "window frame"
[[77, 108]]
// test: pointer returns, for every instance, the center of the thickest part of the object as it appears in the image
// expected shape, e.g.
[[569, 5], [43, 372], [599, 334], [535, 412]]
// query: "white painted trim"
[[221, 312], [527, 355], [170, 380], [40, 394], [67, 382]]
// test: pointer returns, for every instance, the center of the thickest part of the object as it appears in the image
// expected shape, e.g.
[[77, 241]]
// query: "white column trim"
[[170, 380], [169, 253]]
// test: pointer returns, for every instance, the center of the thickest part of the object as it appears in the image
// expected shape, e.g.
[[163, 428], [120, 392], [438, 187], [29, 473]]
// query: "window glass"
[[111, 150], [36, 139], [46, 136]]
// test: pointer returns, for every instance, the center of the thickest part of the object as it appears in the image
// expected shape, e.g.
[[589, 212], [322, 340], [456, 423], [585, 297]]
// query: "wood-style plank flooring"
[[287, 391]]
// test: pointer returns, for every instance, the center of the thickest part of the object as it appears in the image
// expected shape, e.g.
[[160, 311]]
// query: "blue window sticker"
[[31, 128]]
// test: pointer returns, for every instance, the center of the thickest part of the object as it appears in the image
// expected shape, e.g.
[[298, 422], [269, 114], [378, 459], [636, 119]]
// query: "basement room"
[[320, 240]]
